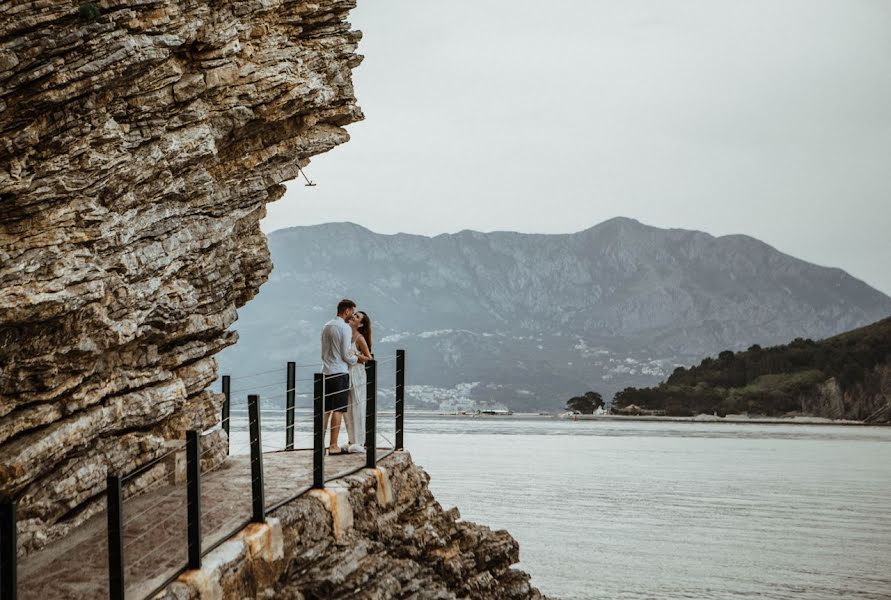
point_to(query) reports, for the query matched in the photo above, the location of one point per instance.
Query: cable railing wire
(224, 510)
(210, 449)
(143, 468)
(276, 410)
(153, 529)
(256, 374)
(242, 406)
(175, 489)
(256, 387)
(269, 385)
(159, 483)
(216, 511)
(153, 553)
(298, 365)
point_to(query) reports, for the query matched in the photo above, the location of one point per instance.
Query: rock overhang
(140, 144)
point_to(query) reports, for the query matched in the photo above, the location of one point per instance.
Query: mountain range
(528, 320)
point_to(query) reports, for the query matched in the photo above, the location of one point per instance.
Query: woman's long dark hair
(365, 328)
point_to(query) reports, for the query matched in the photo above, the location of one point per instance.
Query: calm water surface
(673, 510)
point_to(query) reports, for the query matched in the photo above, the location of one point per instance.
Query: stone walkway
(155, 544)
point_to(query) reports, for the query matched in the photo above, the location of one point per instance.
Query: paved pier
(155, 544)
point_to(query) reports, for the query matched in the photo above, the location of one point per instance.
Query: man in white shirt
(336, 360)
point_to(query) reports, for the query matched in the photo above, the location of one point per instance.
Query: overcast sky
(770, 118)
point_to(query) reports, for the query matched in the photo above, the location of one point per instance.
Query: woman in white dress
(361, 325)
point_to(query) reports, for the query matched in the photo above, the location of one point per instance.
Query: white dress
(356, 408)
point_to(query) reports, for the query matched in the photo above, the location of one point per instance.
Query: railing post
(227, 404)
(114, 511)
(370, 414)
(257, 500)
(400, 398)
(8, 550)
(193, 507)
(318, 432)
(289, 407)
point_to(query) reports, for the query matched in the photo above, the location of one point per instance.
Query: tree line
(767, 381)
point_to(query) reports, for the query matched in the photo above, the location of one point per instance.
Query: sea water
(606, 509)
(629, 509)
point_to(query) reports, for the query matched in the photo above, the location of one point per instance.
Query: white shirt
(336, 356)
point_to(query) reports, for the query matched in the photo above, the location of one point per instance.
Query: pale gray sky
(765, 117)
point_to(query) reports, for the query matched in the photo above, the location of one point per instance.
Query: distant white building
(456, 405)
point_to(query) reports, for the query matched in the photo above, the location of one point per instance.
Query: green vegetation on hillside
(585, 404)
(767, 381)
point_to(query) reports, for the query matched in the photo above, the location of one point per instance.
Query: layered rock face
(378, 533)
(868, 401)
(139, 144)
(406, 546)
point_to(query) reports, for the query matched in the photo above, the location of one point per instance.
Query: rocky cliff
(139, 144)
(868, 400)
(376, 534)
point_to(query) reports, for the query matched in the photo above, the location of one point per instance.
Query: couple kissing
(346, 347)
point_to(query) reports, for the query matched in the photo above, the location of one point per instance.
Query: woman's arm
(364, 352)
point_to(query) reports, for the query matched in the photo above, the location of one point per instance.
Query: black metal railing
(8, 549)
(371, 415)
(193, 505)
(318, 429)
(400, 400)
(258, 504)
(114, 511)
(117, 504)
(290, 405)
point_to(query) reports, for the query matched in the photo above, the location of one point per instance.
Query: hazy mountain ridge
(548, 313)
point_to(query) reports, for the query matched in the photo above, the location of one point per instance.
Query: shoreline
(729, 419)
